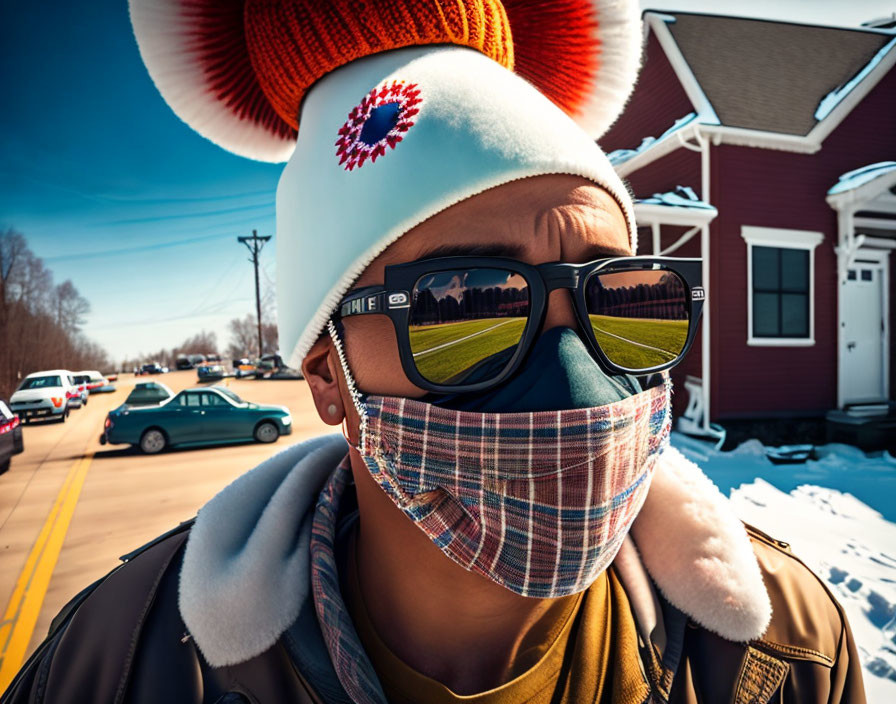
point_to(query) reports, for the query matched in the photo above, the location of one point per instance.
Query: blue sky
(117, 194)
(113, 191)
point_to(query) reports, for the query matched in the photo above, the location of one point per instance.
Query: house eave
(650, 213)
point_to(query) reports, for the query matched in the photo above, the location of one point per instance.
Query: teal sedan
(209, 416)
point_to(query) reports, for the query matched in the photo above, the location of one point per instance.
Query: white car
(96, 382)
(77, 396)
(45, 395)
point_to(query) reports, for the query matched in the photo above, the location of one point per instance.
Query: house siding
(678, 168)
(769, 188)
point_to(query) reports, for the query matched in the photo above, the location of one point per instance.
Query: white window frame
(781, 239)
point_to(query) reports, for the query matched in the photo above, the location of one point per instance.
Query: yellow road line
(24, 605)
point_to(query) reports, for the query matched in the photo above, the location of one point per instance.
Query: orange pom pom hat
(479, 92)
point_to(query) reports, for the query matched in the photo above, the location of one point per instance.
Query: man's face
(534, 220)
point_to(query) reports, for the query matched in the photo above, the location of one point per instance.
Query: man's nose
(560, 311)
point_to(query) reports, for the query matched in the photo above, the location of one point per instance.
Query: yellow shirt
(589, 655)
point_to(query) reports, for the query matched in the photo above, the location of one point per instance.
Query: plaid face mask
(538, 502)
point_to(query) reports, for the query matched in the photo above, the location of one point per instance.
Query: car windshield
(229, 394)
(40, 382)
(81, 379)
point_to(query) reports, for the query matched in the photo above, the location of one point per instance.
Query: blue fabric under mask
(559, 374)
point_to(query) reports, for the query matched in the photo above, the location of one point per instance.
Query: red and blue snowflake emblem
(380, 121)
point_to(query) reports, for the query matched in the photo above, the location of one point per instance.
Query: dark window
(851, 275)
(188, 399)
(866, 274)
(213, 400)
(780, 292)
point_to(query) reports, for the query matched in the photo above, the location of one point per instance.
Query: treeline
(243, 343)
(40, 321)
(203, 342)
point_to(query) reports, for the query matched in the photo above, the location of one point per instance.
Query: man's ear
(320, 373)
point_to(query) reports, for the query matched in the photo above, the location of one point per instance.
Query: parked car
(96, 382)
(148, 393)
(152, 368)
(80, 390)
(204, 416)
(190, 361)
(271, 366)
(43, 395)
(211, 372)
(11, 442)
(243, 367)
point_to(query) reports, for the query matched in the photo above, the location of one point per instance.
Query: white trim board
(649, 213)
(782, 239)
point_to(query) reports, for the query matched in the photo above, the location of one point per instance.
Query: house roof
(859, 177)
(765, 75)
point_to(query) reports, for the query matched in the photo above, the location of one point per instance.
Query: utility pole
(254, 244)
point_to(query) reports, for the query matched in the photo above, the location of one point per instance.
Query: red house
(769, 149)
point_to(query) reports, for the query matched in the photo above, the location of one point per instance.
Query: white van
(45, 395)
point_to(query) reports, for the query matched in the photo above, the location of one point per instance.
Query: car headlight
(286, 420)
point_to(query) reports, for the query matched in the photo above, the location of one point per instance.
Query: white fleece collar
(246, 567)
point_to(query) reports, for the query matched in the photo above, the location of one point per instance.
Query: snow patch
(619, 156)
(858, 177)
(837, 513)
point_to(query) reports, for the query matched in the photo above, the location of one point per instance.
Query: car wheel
(64, 414)
(266, 432)
(84, 402)
(4, 466)
(153, 441)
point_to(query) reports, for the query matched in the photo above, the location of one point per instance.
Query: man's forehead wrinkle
(583, 233)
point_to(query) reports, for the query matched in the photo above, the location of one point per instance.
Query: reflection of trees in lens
(446, 299)
(659, 295)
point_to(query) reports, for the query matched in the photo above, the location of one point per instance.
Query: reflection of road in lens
(639, 343)
(449, 351)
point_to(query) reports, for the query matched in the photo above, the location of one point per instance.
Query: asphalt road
(70, 497)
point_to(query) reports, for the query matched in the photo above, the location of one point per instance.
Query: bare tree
(69, 306)
(39, 322)
(244, 337)
(204, 342)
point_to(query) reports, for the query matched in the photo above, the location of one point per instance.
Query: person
(502, 518)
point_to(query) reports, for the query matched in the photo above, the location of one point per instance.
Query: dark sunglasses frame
(394, 300)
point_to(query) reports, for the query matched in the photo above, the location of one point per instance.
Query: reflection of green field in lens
(658, 341)
(467, 343)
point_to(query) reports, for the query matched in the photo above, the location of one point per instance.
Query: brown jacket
(122, 640)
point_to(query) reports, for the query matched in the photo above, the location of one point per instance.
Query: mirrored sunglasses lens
(465, 325)
(639, 318)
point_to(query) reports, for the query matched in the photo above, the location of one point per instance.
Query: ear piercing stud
(331, 409)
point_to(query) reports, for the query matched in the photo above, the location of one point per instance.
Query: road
(69, 496)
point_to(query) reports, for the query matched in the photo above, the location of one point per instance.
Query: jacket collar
(246, 570)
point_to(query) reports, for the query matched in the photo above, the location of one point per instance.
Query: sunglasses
(467, 323)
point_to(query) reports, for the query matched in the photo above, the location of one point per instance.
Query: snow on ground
(839, 515)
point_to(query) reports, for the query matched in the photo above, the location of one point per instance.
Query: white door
(863, 334)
